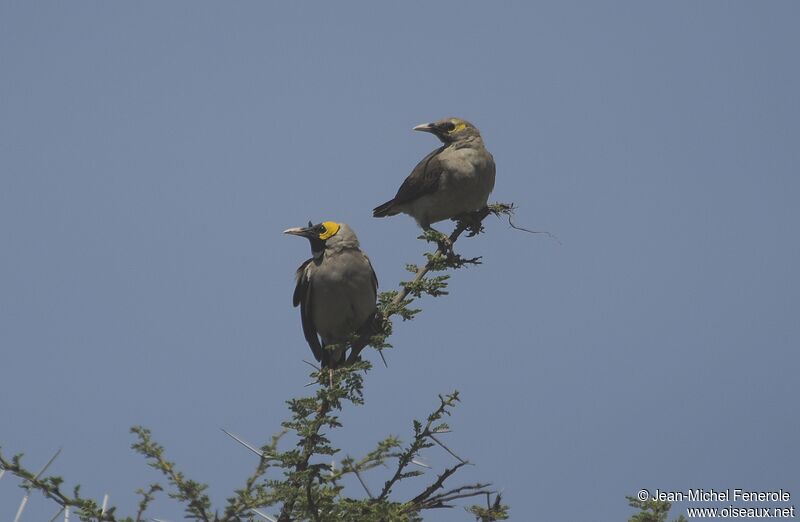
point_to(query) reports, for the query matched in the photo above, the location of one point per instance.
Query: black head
(317, 235)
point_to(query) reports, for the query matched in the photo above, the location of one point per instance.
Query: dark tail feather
(384, 210)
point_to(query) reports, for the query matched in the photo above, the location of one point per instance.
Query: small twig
(458, 490)
(420, 442)
(197, 503)
(358, 476)
(147, 497)
(448, 450)
(436, 485)
(523, 229)
(439, 501)
(61, 510)
(317, 368)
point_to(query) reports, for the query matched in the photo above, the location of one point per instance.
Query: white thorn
(27, 486)
(243, 443)
(420, 462)
(66, 514)
(22, 506)
(105, 504)
(262, 515)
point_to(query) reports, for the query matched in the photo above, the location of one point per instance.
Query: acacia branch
(147, 497)
(437, 484)
(50, 488)
(441, 259)
(442, 250)
(308, 450)
(420, 442)
(442, 499)
(301, 493)
(198, 505)
(255, 493)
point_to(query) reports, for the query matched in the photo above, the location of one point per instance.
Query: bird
(336, 289)
(453, 180)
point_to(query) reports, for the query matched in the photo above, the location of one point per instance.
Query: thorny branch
(302, 465)
(304, 483)
(472, 223)
(50, 487)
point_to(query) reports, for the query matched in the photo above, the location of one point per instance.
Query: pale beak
(297, 231)
(425, 127)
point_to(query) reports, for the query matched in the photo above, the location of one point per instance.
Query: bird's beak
(298, 231)
(425, 127)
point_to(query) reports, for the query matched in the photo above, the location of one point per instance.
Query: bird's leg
(472, 221)
(355, 351)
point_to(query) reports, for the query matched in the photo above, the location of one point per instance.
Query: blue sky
(151, 154)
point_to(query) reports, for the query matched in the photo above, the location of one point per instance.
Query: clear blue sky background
(151, 153)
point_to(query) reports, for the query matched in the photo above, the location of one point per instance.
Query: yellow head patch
(329, 230)
(459, 126)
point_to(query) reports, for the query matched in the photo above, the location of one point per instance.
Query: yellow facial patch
(331, 229)
(459, 126)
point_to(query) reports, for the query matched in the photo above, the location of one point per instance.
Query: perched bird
(454, 179)
(336, 289)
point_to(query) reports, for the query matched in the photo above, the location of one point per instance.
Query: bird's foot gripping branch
(396, 302)
(297, 479)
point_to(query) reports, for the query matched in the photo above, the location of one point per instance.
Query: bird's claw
(472, 221)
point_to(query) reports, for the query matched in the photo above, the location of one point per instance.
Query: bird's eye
(449, 126)
(322, 229)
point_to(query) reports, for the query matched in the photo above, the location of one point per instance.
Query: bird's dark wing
(374, 276)
(424, 179)
(302, 283)
(302, 297)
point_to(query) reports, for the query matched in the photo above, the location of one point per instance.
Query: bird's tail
(387, 209)
(372, 326)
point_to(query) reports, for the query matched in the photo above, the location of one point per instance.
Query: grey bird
(336, 289)
(454, 179)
